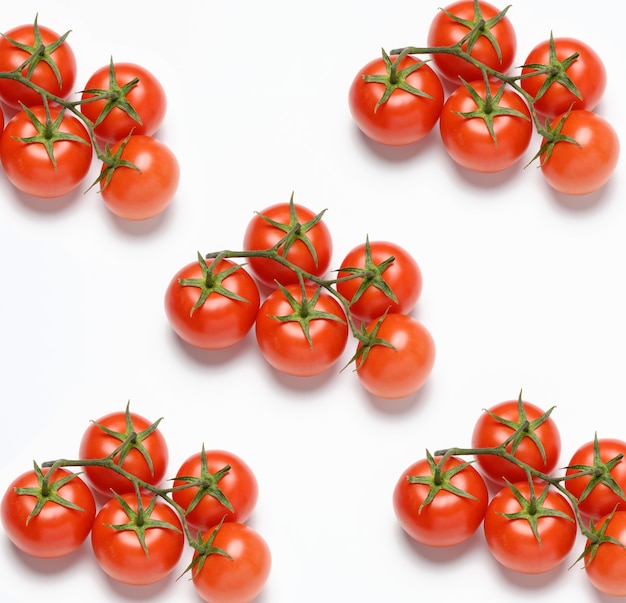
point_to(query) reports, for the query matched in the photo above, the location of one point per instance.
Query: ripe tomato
(484, 129)
(45, 154)
(440, 505)
(389, 280)
(237, 576)
(217, 480)
(400, 370)
(144, 453)
(509, 521)
(142, 193)
(308, 243)
(130, 98)
(582, 168)
(596, 492)
(48, 519)
(499, 422)
(212, 311)
(137, 541)
(396, 101)
(494, 45)
(552, 91)
(24, 41)
(301, 331)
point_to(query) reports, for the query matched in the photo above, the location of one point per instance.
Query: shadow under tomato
(53, 567)
(582, 202)
(397, 406)
(49, 206)
(397, 154)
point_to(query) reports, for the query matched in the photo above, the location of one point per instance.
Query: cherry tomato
(389, 280)
(509, 521)
(301, 331)
(402, 369)
(485, 128)
(440, 505)
(55, 159)
(396, 101)
(147, 547)
(212, 310)
(495, 44)
(145, 190)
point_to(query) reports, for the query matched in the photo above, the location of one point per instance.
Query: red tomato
(212, 311)
(309, 245)
(144, 454)
(380, 280)
(400, 370)
(240, 575)
(61, 525)
(586, 73)
(29, 165)
(142, 193)
(579, 169)
(447, 31)
(440, 506)
(121, 553)
(24, 41)
(130, 98)
(412, 109)
(1, 120)
(605, 563)
(512, 541)
(301, 336)
(217, 479)
(485, 129)
(596, 492)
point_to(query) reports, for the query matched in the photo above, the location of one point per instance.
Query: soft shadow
(396, 154)
(399, 406)
(580, 203)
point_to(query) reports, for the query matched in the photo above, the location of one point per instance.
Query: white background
(523, 289)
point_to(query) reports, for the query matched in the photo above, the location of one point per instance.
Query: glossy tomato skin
(512, 542)
(607, 570)
(13, 93)
(239, 485)
(397, 373)
(145, 193)
(579, 170)
(120, 554)
(284, 344)
(56, 530)
(240, 578)
(28, 165)
(405, 118)
(445, 31)
(449, 518)
(220, 321)
(147, 97)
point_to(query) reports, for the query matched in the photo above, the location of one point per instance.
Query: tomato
(402, 369)
(137, 540)
(440, 505)
(240, 574)
(597, 493)
(129, 98)
(539, 445)
(569, 72)
(53, 66)
(585, 166)
(45, 154)
(396, 101)
(301, 331)
(48, 516)
(485, 129)
(389, 279)
(143, 451)
(221, 486)
(302, 237)
(212, 310)
(1, 120)
(494, 44)
(530, 531)
(145, 190)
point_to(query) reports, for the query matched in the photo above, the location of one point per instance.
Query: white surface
(522, 289)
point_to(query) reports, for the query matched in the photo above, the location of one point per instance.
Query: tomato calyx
(553, 136)
(597, 537)
(112, 161)
(369, 339)
(205, 548)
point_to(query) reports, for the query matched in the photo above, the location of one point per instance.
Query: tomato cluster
(530, 513)
(489, 116)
